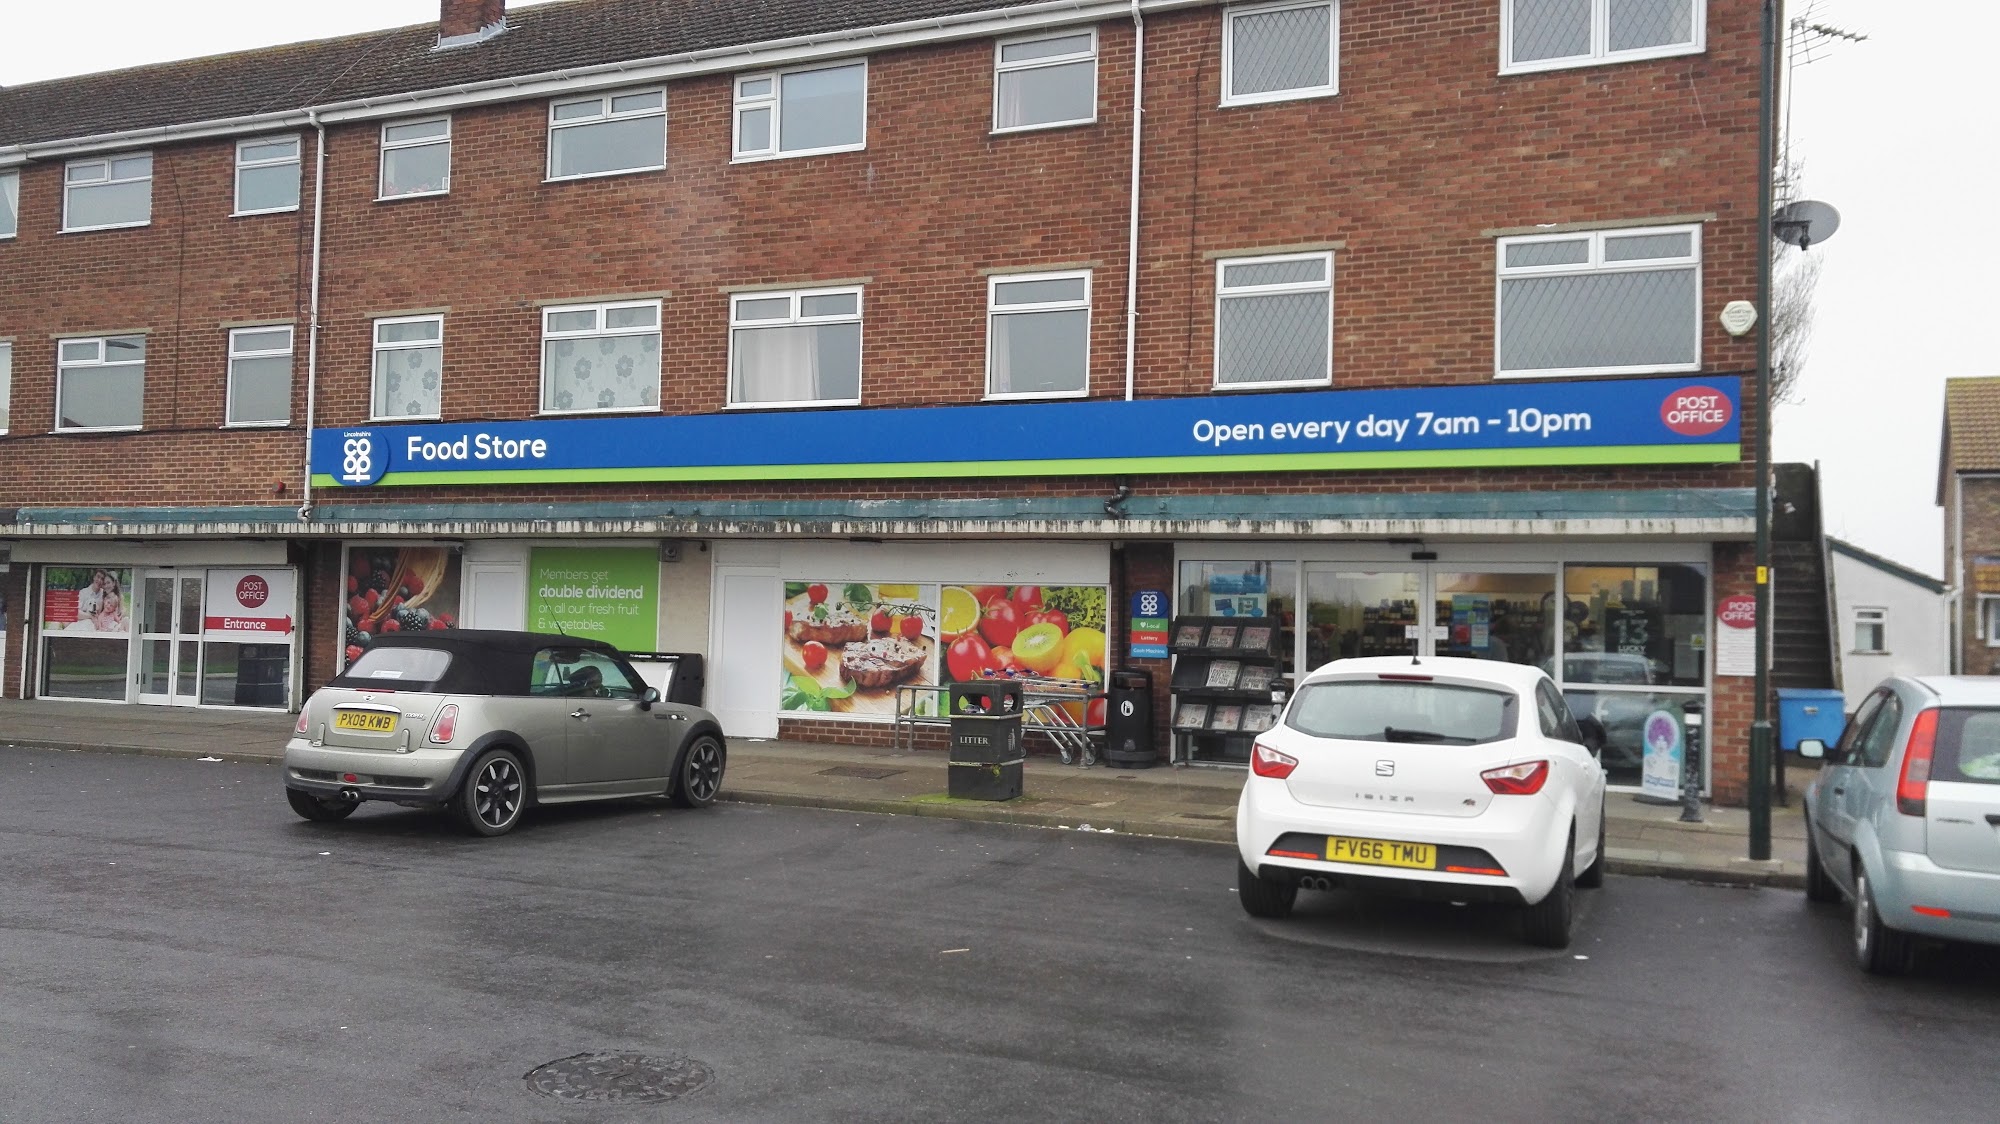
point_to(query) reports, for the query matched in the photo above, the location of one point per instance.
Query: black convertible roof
(483, 661)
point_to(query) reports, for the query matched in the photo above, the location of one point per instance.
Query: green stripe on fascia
(1084, 466)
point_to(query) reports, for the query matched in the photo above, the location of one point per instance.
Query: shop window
(1550, 34)
(1275, 52)
(1046, 81)
(601, 357)
(100, 383)
(1038, 335)
(267, 175)
(802, 112)
(260, 376)
(86, 632)
(10, 204)
(795, 349)
(409, 367)
(1989, 621)
(608, 134)
(1600, 302)
(1635, 625)
(108, 192)
(1871, 627)
(416, 158)
(1274, 321)
(6, 381)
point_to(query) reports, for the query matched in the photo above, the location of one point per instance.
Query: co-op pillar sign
(1148, 631)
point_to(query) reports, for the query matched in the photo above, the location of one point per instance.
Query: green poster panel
(608, 595)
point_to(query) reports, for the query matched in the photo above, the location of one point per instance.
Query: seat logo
(1385, 768)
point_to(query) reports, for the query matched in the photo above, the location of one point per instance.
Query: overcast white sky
(1900, 133)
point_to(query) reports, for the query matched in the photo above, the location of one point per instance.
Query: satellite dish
(1805, 223)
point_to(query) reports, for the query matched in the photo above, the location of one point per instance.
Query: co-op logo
(1696, 411)
(363, 458)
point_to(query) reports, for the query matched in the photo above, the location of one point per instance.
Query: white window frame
(378, 347)
(1600, 42)
(1001, 66)
(1215, 374)
(63, 367)
(795, 319)
(606, 113)
(1871, 616)
(10, 189)
(603, 311)
(387, 146)
(6, 384)
(1229, 17)
(1988, 623)
(229, 395)
(296, 160)
(995, 310)
(1594, 264)
(107, 161)
(774, 102)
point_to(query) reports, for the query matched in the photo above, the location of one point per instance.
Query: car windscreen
(1968, 746)
(397, 668)
(1380, 710)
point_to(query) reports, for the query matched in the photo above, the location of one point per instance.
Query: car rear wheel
(1549, 922)
(699, 777)
(1819, 885)
(320, 809)
(494, 794)
(1262, 897)
(1593, 875)
(1878, 949)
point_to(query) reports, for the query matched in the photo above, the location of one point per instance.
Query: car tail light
(1915, 783)
(1524, 779)
(1268, 762)
(446, 725)
(301, 727)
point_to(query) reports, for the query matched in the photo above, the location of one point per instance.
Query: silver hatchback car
(1904, 818)
(483, 724)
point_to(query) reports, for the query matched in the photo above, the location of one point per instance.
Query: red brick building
(685, 324)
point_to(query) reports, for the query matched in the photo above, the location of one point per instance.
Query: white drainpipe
(312, 317)
(1132, 255)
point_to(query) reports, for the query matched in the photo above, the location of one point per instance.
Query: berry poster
(87, 600)
(397, 589)
(849, 647)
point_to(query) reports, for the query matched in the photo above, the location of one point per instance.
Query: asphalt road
(176, 946)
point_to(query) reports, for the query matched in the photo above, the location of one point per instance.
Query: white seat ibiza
(1446, 778)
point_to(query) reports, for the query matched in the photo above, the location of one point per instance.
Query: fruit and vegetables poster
(608, 595)
(94, 600)
(850, 645)
(397, 589)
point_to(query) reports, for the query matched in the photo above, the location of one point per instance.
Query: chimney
(463, 22)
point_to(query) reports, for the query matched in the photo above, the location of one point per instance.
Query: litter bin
(1128, 721)
(986, 753)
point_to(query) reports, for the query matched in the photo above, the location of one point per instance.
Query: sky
(1896, 132)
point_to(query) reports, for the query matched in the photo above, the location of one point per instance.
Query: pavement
(1177, 802)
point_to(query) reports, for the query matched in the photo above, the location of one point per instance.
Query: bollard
(1691, 765)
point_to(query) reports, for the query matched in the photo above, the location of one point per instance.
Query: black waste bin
(986, 751)
(1128, 721)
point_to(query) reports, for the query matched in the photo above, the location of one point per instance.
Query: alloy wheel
(1864, 917)
(497, 793)
(703, 776)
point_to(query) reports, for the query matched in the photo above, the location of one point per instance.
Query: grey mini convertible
(484, 724)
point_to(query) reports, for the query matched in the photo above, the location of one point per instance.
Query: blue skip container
(1810, 712)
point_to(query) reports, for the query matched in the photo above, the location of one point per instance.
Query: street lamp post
(1767, 157)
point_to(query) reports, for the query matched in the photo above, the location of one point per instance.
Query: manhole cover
(606, 1078)
(860, 771)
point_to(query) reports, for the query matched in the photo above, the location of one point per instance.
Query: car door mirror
(1812, 749)
(1594, 734)
(648, 697)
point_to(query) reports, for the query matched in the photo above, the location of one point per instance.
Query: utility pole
(1767, 158)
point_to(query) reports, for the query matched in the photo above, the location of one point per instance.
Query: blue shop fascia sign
(1597, 422)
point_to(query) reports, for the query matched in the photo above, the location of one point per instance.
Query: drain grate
(860, 771)
(608, 1078)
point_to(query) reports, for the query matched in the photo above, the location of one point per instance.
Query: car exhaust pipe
(1315, 882)
(352, 796)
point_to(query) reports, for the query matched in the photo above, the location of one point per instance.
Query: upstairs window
(802, 112)
(267, 175)
(1043, 82)
(100, 383)
(108, 192)
(260, 376)
(1871, 628)
(608, 134)
(1601, 302)
(416, 158)
(795, 349)
(10, 204)
(1274, 321)
(1552, 34)
(1038, 335)
(601, 357)
(1276, 52)
(409, 367)
(6, 381)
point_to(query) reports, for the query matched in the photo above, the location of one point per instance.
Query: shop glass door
(1495, 615)
(1352, 612)
(170, 621)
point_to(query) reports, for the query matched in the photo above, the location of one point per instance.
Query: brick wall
(1981, 504)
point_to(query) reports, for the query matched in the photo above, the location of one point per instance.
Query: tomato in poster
(1000, 621)
(987, 593)
(968, 656)
(816, 593)
(814, 654)
(1051, 616)
(1028, 596)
